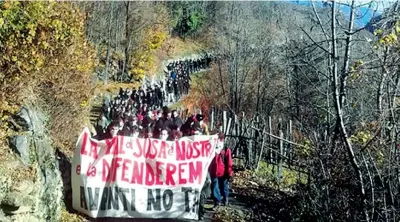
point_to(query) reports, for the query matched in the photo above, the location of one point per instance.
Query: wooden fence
(254, 139)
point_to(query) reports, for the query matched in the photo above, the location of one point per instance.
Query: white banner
(128, 177)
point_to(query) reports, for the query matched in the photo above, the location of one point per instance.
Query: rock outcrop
(37, 197)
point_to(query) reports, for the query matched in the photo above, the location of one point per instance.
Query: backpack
(173, 75)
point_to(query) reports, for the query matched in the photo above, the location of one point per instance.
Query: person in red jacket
(221, 172)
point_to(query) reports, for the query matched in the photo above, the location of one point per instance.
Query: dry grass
(181, 47)
(70, 217)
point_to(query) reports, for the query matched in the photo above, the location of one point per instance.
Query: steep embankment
(29, 183)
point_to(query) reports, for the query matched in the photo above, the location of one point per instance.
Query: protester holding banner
(126, 177)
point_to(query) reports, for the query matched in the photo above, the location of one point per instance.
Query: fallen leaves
(252, 199)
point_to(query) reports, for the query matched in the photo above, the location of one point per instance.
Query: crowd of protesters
(142, 113)
(178, 73)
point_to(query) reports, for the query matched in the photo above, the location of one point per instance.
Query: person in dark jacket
(159, 96)
(186, 128)
(163, 123)
(148, 120)
(176, 119)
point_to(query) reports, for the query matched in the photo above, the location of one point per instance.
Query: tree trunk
(347, 53)
(338, 84)
(127, 38)
(108, 45)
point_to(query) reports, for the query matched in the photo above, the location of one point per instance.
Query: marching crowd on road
(141, 113)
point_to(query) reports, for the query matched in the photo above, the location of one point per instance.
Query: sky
(368, 9)
(380, 5)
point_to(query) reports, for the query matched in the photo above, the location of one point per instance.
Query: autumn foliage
(143, 58)
(206, 91)
(45, 60)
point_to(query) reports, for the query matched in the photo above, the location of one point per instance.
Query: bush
(45, 60)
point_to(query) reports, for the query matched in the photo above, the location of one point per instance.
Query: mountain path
(236, 206)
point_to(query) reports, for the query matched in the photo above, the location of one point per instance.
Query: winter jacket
(161, 124)
(221, 165)
(173, 75)
(177, 121)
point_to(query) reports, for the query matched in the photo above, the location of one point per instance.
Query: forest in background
(337, 82)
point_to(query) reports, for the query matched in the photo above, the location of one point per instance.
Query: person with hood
(221, 173)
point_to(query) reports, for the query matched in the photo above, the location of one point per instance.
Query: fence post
(242, 125)
(256, 139)
(262, 149)
(270, 154)
(280, 151)
(290, 147)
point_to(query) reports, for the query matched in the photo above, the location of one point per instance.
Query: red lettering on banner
(110, 144)
(129, 144)
(150, 148)
(169, 179)
(180, 150)
(162, 153)
(84, 141)
(149, 175)
(114, 166)
(153, 172)
(78, 170)
(105, 175)
(124, 169)
(187, 150)
(158, 173)
(205, 148)
(137, 173)
(181, 171)
(139, 148)
(154, 145)
(171, 150)
(93, 150)
(91, 171)
(195, 172)
(121, 145)
(115, 145)
(195, 148)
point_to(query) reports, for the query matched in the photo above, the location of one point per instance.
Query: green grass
(268, 173)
